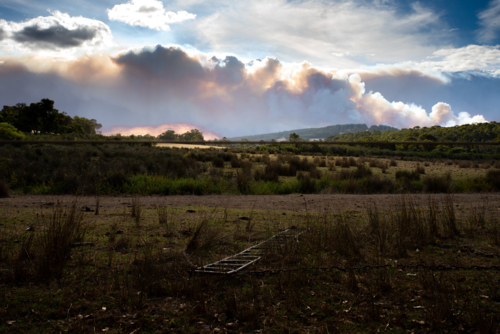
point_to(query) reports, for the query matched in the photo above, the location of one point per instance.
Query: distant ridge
(317, 133)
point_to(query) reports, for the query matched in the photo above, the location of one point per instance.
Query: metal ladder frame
(236, 263)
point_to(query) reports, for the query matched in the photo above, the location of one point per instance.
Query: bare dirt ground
(294, 202)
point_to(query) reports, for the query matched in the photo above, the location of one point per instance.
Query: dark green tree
(294, 137)
(168, 135)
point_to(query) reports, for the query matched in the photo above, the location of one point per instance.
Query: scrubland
(111, 169)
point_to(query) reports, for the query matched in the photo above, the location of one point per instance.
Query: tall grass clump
(207, 233)
(244, 178)
(53, 241)
(437, 183)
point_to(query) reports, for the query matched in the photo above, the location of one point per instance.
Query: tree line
(479, 132)
(42, 118)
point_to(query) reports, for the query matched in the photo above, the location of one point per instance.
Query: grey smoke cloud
(168, 85)
(55, 36)
(169, 64)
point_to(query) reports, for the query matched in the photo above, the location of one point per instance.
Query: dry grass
(144, 283)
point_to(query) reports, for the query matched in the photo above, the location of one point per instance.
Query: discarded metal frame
(238, 262)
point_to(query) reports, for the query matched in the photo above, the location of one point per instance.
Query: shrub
(315, 173)
(409, 175)
(493, 177)
(377, 184)
(236, 163)
(437, 184)
(218, 162)
(307, 185)
(420, 170)
(9, 132)
(393, 163)
(267, 174)
(300, 164)
(244, 178)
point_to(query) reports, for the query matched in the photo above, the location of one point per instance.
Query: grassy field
(66, 268)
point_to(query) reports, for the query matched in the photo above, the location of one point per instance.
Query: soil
(294, 202)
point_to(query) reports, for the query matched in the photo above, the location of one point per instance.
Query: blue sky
(237, 68)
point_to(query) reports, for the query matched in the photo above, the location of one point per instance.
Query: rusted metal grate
(238, 262)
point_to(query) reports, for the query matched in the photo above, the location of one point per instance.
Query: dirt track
(295, 202)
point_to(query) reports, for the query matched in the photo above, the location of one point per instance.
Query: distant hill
(321, 133)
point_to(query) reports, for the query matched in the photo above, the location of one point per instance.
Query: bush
(307, 185)
(376, 184)
(437, 184)
(218, 162)
(493, 177)
(360, 172)
(9, 132)
(267, 174)
(236, 163)
(409, 175)
(420, 170)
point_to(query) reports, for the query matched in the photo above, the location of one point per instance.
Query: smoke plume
(226, 95)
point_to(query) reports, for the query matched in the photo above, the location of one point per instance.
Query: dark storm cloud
(55, 36)
(169, 64)
(229, 71)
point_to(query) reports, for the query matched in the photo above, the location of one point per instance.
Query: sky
(236, 68)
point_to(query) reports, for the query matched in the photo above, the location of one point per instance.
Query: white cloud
(489, 19)
(59, 33)
(147, 13)
(442, 114)
(319, 31)
(468, 58)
